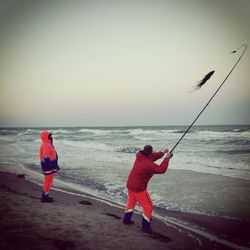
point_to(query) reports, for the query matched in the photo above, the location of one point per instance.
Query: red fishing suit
(144, 168)
(49, 161)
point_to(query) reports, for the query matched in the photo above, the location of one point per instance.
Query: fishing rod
(245, 45)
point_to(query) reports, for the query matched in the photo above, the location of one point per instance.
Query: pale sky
(115, 63)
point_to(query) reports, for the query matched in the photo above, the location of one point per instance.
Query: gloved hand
(169, 155)
(165, 150)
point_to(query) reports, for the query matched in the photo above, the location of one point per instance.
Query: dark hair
(148, 150)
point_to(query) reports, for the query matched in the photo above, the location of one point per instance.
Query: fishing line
(243, 45)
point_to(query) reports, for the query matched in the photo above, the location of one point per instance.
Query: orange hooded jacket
(48, 155)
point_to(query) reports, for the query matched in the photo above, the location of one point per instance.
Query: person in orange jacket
(49, 164)
(144, 168)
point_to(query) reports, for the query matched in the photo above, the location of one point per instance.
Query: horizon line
(120, 126)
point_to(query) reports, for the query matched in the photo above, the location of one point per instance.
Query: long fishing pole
(211, 97)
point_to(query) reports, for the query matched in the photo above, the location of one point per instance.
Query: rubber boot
(46, 198)
(127, 218)
(146, 227)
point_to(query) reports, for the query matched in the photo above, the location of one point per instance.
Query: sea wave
(27, 131)
(128, 149)
(62, 131)
(92, 145)
(237, 141)
(224, 133)
(217, 134)
(234, 152)
(238, 130)
(150, 135)
(96, 132)
(183, 131)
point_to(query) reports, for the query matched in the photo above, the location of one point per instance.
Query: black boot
(127, 218)
(46, 198)
(146, 227)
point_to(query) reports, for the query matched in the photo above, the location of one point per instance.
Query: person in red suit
(143, 169)
(49, 164)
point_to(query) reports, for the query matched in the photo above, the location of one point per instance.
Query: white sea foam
(88, 145)
(96, 131)
(61, 131)
(27, 131)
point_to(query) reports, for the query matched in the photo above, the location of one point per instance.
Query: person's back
(143, 169)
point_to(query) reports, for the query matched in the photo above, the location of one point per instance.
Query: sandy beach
(79, 221)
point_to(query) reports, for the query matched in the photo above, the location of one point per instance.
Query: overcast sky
(111, 63)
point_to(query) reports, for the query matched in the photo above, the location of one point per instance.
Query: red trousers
(48, 180)
(143, 198)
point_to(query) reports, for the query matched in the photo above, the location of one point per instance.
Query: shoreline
(103, 222)
(175, 177)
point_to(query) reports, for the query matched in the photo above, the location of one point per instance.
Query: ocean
(208, 174)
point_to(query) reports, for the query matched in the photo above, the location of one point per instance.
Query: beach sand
(76, 221)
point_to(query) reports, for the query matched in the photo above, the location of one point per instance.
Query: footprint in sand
(21, 176)
(113, 215)
(85, 203)
(159, 237)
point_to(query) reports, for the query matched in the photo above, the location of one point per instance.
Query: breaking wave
(128, 149)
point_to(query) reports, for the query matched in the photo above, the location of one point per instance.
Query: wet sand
(76, 221)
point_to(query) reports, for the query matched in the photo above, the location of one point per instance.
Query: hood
(45, 136)
(141, 156)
